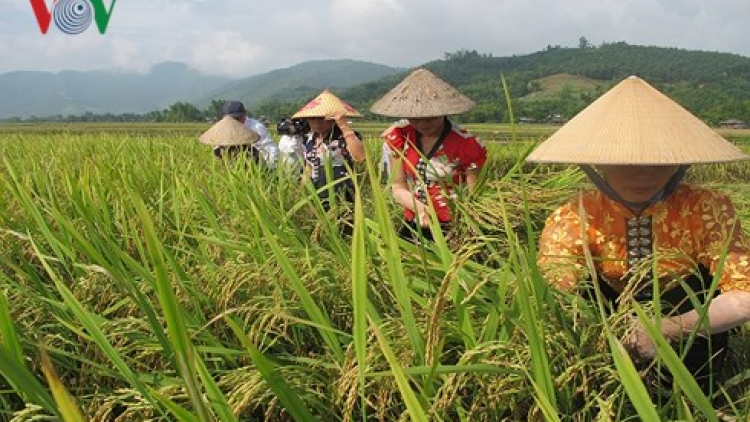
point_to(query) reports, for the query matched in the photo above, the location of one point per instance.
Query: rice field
(142, 280)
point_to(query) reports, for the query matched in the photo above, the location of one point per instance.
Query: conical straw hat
(326, 104)
(228, 131)
(633, 123)
(422, 94)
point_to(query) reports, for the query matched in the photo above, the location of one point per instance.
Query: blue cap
(234, 108)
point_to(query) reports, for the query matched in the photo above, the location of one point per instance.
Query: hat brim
(227, 132)
(324, 105)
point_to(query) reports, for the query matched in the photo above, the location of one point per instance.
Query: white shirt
(292, 151)
(265, 144)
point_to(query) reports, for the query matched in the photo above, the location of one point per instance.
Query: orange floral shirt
(692, 226)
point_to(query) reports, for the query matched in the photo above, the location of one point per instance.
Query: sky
(235, 38)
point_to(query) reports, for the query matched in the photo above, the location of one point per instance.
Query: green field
(165, 286)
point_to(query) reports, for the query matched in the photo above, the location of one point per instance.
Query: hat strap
(447, 127)
(663, 193)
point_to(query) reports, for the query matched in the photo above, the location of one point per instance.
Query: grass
(163, 285)
(551, 86)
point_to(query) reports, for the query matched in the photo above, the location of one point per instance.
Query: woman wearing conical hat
(430, 154)
(331, 145)
(650, 234)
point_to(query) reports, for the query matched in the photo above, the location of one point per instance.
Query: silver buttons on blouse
(640, 246)
(639, 238)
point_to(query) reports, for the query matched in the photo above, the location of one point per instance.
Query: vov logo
(72, 16)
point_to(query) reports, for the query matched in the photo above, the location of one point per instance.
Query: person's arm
(473, 157)
(404, 196)
(262, 130)
(266, 144)
(726, 311)
(354, 145)
(471, 178)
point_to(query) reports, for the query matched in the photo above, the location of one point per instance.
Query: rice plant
(153, 282)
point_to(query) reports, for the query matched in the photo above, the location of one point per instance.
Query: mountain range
(32, 93)
(299, 82)
(553, 81)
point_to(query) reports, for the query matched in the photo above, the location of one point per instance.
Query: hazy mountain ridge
(300, 82)
(27, 93)
(37, 93)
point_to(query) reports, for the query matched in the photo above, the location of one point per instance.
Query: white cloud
(127, 56)
(367, 9)
(226, 53)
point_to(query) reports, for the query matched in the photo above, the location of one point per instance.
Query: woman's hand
(340, 119)
(639, 345)
(726, 311)
(423, 215)
(353, 143)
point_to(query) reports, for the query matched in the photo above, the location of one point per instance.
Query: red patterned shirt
(459, 152)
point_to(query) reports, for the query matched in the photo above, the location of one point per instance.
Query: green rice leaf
(66, 404)
(218, 402)
(181, 346)
(308, 302)
(359, 294)
(286, 394)
(632, 381)
(90, 324)
(25, 383)
(176, 410)
(413, 406)
(682, 377)
(391, 254)
(8, 336)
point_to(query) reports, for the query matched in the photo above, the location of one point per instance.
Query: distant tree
(180, 112)
(534, 86)
(215, 110)
(485, 112)
(464, 54)
(155, 116)
(583, 43)
(275, 110)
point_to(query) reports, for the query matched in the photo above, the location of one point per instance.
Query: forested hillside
(715, 86)
(300, 82)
